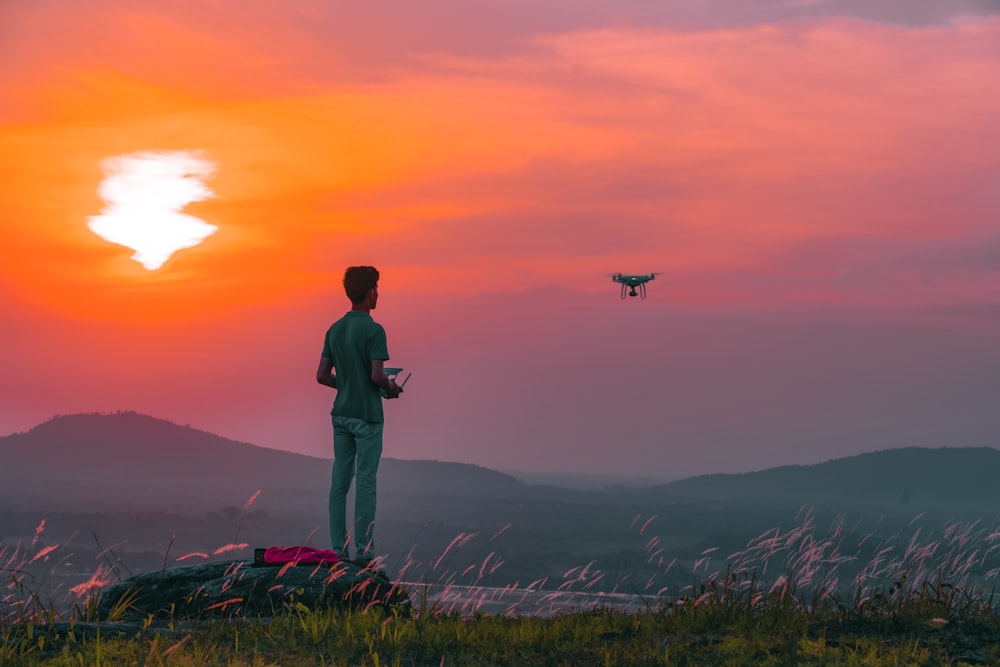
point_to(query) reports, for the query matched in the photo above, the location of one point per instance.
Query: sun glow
(145, 193)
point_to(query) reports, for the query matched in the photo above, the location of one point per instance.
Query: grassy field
(795, 596)
(731, 620)
(717, 633)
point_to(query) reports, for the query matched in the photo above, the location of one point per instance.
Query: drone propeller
(619, 274)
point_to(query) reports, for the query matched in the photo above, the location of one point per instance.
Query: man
(354, 354)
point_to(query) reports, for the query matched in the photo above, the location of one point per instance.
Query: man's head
(359, 283)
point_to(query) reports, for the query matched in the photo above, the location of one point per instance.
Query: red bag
(301, 554)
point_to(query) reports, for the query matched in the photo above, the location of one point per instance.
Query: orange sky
(823, 178)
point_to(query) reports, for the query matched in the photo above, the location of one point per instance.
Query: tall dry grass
(952, 566)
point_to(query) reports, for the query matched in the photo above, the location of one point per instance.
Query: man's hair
(358, 280)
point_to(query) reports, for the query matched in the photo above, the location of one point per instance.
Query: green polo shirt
(353, 342)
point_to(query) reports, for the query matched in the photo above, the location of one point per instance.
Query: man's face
(373, 295)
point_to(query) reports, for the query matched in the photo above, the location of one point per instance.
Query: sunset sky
(815, 182)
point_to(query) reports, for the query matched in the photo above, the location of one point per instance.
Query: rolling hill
(130, 461)
(905, 478)
(127, 461)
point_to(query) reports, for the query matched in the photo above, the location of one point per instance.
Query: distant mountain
(906, 478)
(130, 461)
(127, 461)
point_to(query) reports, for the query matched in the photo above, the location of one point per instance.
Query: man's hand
(393, 390)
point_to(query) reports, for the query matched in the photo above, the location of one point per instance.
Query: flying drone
(632, 283)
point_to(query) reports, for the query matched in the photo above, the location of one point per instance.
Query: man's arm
(324, 374)
(383, 381)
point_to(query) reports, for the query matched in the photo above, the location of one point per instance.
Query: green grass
(730, 622)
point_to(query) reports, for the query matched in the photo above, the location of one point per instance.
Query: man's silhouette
(354, 354)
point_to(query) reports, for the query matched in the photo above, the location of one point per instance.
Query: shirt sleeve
(327, 350)
(377, 347)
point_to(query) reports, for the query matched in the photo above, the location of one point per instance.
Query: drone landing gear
(631, 292)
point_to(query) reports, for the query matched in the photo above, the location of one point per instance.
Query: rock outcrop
(241, 589)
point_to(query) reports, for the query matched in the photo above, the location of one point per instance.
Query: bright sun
(144, 194)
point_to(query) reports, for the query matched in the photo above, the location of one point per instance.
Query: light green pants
(357, 444)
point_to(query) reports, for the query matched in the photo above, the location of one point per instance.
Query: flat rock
(240, 589)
